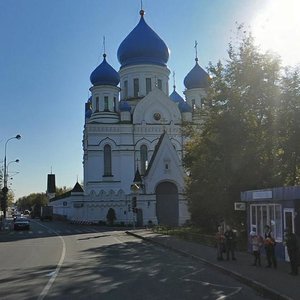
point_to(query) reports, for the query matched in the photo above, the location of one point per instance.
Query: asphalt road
(56, 260)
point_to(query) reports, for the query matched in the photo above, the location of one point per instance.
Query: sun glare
(277, 28)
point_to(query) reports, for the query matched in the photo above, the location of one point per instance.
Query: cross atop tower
(174, 86)
(104, 50)
(196, 50)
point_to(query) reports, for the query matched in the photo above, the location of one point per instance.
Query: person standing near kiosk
(270, 243)
(293, 249)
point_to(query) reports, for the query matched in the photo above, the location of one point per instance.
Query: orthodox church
(132, 138)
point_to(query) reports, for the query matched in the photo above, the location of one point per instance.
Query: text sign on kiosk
(239, 206)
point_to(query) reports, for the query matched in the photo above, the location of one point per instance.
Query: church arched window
(144, 158)
(107, 160)
(97, 104)
(106, 107)
(136, 87)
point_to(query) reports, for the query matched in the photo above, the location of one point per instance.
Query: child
(256, 244)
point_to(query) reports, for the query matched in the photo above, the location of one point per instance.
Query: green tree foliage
(289, 128)
(10, 198)
(235, 147)
(62, 190)
(27, 202)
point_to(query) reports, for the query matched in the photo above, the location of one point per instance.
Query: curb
(261, 288)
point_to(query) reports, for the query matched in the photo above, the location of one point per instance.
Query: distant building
(51, 187)
(132, 139)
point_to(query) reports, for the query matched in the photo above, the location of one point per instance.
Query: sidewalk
(273, 284)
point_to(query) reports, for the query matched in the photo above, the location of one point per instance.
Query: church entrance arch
(167, 206)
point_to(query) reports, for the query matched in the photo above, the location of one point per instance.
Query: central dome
(143, 46)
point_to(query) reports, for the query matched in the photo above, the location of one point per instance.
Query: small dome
(88, 108)
(175, 97)
(143, 46)
(105, 74)
(196, 78)
(184, 107)
(124, 106)
(88, 114)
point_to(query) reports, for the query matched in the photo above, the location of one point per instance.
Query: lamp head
(18, 137)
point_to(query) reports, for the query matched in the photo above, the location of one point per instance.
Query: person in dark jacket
(293, 250)
(230, 240)
(270, 243)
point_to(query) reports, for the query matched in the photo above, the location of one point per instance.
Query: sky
(48, 49)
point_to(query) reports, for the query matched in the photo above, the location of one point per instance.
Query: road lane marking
(236, 289)
(192, 273)
(53, 274)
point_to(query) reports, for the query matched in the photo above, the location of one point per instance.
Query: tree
(288, 153)
(62, 190)
(234, 148)
(27, 202)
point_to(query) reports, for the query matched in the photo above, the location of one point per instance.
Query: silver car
(21, 223)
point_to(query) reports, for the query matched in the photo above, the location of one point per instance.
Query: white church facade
(132, 140)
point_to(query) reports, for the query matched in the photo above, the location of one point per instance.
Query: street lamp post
(7, 168)
(5, 189)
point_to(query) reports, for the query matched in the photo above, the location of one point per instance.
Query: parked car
(17, 214)
(21, 223)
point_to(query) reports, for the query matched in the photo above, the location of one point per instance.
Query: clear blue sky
(48, 49)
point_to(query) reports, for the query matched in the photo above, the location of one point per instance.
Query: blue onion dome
(143, 46)
(175, 97)
(105, 74)
(124, 106)
(184, 107)
(196, 78)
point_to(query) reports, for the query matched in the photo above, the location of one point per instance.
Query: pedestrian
(220, 242)
(270, 244)
(256, 242)
(293, 250)
(230, 240)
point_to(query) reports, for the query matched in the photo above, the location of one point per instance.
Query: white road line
(54, 274)
(222, 297)
(236, 289)
(193, 273)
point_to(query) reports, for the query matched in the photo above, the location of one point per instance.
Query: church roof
(124, 106)
(196, 78)
(155, 152)
(51, 188)
(77, 188)
(105, 74)
(175, 97)
(143, 46)
(184, 107)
